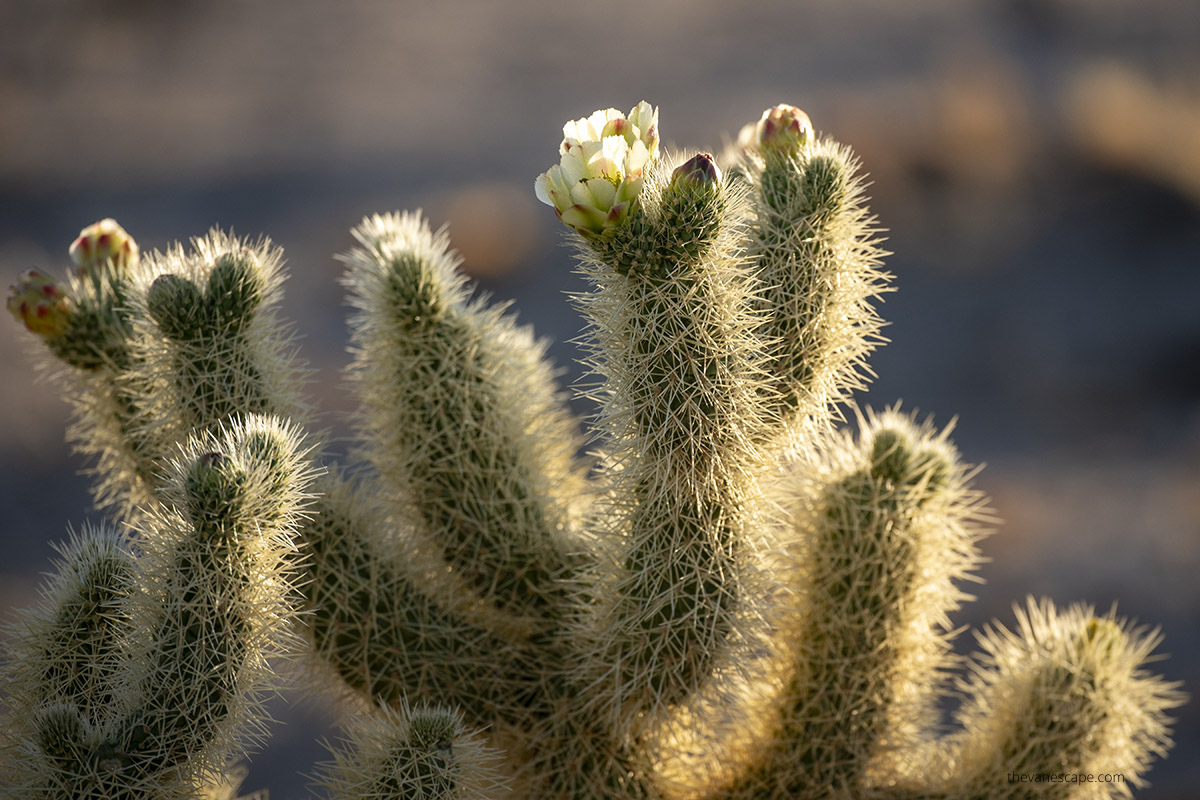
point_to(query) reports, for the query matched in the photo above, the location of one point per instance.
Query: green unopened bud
(40, 303)
(104, 245)
(698, 171)
(783, 129)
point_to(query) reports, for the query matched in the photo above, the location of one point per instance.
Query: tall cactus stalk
(738, 599)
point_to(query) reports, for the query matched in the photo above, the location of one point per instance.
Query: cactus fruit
(735, 597)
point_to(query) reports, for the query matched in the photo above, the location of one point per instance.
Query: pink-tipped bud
(101, 244)
(699, 170)
(783, 129)
(39, 302)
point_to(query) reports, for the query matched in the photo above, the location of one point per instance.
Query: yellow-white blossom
(599, 175)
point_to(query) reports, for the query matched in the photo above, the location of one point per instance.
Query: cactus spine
(737, 600)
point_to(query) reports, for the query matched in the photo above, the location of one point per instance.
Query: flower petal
(584, 218)
(601, 191)
(540, 188)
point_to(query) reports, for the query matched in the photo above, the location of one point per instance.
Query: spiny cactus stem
(203, 636)
(79, 653)
(817, 257)
(679, 349)
(389, 641)
(407, 753)
(1064, 695)
(472, 488)
(863, 563)
(461, 414)
(208, 398)
(98, 330)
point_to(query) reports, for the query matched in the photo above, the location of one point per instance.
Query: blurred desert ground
(1037, 163)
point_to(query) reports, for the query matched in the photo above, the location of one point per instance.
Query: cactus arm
(676, 347)
(208, 341)
(878, 556)
(62, 660)
(67, 654)
(816, 247)
(1063, 698)
(219, 567)
(388, 631)
(163, 703)
(156, 348)
(86, 326)
(461, 415)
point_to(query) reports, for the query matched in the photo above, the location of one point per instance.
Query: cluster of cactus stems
(732, 596)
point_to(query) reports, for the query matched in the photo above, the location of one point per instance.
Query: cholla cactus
(144, 674)
(735, 599)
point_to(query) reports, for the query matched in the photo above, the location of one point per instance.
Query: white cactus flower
(599, 176)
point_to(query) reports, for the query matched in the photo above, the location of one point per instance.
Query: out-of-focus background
(1037, 163)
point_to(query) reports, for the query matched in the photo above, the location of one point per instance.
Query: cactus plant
(734, 597)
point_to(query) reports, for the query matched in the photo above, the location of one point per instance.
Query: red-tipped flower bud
(103, 243)
(39, 302)
(783, 129)
(699, 170)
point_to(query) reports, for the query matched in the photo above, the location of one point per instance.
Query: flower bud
(596, 183)
(698, 171)
(783, 129)
(103, 243)
(39, 302)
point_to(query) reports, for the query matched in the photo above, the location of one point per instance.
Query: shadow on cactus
(734, 597)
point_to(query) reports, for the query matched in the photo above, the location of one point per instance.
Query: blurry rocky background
(1037, 163)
